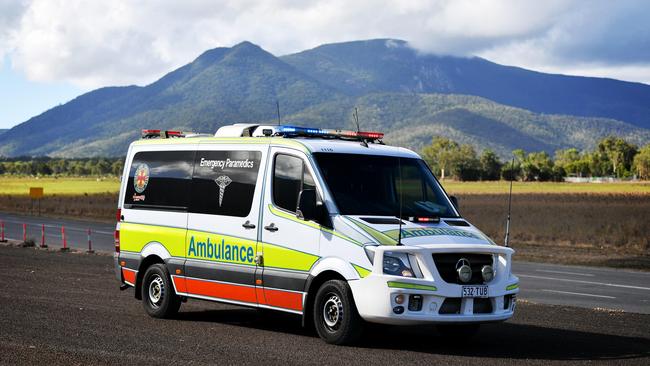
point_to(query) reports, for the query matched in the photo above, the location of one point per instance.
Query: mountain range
(410, 95)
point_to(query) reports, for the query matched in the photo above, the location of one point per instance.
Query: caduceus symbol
(222, 182)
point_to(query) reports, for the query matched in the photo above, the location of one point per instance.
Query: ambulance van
(331, 225)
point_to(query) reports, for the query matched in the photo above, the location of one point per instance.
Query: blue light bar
(313, 132)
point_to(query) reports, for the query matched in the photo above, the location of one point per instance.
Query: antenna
(277, 105)
(364, 143)
(512, 170)
(399, 232)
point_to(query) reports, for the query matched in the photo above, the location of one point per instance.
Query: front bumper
(441, 302)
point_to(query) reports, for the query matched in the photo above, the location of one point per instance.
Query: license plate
(475, 291)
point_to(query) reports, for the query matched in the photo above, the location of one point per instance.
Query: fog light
(399, 299)
(398, 309)
(464, 273)
(488, 273)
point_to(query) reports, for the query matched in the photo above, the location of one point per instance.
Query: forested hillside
(410, 96)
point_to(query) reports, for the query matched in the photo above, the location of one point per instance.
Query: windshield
(370, 185)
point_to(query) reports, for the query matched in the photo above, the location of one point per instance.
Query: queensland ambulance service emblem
(223, 182)
(141, 178)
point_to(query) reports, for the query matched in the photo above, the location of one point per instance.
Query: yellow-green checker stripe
(411, 286)
(314, 225)
(512, 287)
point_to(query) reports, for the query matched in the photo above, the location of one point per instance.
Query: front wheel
(158, 297)
(335, 315)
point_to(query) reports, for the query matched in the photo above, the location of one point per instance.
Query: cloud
(118, 42)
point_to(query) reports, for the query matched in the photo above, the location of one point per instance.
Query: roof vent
(236, 130)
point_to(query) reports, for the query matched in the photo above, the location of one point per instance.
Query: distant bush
(62, 167)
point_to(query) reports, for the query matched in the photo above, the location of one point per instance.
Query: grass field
(58, 186)
(502, 187)
(73, 186)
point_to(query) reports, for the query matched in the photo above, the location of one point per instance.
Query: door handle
(271, 227)
(248, 225)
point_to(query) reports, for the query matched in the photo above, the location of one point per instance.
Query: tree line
(612, 157)
(62, 167)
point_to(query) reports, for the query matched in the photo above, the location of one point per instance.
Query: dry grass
(577, 228)
(591, 229)
(98, 207)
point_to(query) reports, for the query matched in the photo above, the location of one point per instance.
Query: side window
(159, 179)
(290, 176)
(224, 182)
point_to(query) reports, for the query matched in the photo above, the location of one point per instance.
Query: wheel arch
(152, 253)
(325, 269)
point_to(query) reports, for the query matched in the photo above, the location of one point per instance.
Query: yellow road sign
(36, 192)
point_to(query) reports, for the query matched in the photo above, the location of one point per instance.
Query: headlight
(397, 264)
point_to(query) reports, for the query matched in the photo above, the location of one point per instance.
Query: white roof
(353, 147)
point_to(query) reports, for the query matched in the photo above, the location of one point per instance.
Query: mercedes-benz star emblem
(464, 270)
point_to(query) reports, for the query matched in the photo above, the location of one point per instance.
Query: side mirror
(454, 201)
(308, 205)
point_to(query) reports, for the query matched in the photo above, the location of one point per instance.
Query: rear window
(160, 180)
(224, 182)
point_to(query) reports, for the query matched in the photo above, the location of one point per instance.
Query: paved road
(79, 316)
(542, 283)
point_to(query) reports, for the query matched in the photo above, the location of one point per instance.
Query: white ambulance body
(331, 225)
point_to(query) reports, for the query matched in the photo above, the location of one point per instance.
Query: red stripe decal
(179, 283)
(128, 275)
(221, 290)
(260, 295)
(283, 299)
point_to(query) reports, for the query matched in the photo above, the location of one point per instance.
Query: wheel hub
(156, 290)
(333, 312)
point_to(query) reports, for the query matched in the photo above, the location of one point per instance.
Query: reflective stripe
(283, 299)
(284, 258)
(129, 275)
(411, 286)
(133, 237)
(311, 224)
(380, 237)
(512, 287)
(221, 290)
(290, 300)
(361, 271)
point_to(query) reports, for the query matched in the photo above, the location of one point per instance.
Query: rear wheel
(158, 297)
(335, 315)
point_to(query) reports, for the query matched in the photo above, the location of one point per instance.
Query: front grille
(450, 306)
(482, 306)
(446, 265)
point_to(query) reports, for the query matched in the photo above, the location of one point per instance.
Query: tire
(458, 332)
(158, 296)
(335, 315)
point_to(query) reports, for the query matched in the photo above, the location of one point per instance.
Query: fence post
(24, 233)
(2, 231)
(65, 243)
(43, 236)
(90, 245)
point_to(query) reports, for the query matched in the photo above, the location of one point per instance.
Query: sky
(54, 50)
